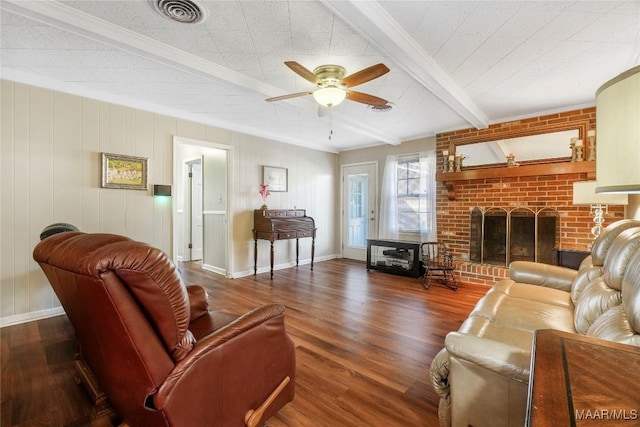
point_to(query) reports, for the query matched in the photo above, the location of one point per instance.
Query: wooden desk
(580, 381)
(282, 224)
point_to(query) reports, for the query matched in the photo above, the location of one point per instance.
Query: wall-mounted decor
(276, 178)
(127, 172)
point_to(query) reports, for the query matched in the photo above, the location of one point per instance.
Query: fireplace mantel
(557, 168)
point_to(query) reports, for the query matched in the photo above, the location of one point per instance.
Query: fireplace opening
(499, 236)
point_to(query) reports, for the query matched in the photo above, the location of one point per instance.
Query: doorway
(201, 205)
(359, 208)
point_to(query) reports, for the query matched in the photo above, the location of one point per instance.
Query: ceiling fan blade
(302, 72)
(366, 98)
(365, 75)
(291, 95)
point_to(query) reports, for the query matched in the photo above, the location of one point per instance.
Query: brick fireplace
(508, 192)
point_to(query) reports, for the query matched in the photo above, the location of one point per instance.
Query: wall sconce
(161, 190)
(584, 193)
(618, 134)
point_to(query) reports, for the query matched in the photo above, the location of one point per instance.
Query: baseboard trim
(214, 269)
(17, 319)
(261, 270)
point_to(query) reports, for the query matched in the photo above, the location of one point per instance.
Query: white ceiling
(454, 64)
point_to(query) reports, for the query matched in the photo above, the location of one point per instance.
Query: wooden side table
(580, 381)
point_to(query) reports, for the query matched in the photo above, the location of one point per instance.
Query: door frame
(177, 169)
(373, 231)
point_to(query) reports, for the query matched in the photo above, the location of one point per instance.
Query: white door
(196, 231)
(359, 213)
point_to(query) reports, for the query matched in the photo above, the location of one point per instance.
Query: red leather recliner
(158, 352)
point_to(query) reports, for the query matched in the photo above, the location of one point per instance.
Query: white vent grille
(182, 11)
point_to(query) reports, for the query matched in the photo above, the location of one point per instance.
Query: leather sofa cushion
(523, 309)
(596, 298)
(601, 244)
(614, 325)
(631, 294)
(533, 292)
(620, 253)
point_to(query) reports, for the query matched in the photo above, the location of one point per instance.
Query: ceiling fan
(334, 87)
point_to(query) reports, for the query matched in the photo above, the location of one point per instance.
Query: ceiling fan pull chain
(330, 123)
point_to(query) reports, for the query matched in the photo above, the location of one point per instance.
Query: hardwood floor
(364, 342)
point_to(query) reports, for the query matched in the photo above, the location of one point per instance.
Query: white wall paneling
(215, 250)
(50, 161)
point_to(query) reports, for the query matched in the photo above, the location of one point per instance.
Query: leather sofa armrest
(439, 373)
(504, 359)
(536, 273)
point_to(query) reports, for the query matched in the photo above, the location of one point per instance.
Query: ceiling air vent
(182, 11)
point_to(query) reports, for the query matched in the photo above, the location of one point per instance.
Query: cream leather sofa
(482, 374)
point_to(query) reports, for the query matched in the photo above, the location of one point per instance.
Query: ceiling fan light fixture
(329, 96)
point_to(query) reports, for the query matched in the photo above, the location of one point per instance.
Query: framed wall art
(276, 178)
(126, 172)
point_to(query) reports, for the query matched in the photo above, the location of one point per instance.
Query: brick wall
(533, 192)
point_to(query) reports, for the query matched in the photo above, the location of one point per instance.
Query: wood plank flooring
(364, 343)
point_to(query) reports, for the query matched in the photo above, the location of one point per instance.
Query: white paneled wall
(215, 230)
(50, 172)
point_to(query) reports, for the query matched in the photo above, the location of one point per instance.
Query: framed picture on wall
(126, 172)
(276, 178)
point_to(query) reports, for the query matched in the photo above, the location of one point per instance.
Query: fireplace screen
(498, 236)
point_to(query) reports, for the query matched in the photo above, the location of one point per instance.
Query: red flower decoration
(264, 192)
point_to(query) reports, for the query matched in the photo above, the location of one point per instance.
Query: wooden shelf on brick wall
(558, 168)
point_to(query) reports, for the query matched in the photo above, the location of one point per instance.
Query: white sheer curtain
(388, 228)
(389, 198)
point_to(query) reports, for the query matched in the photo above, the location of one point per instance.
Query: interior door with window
(359, 213)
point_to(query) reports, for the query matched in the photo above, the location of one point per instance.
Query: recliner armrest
(507, 360)
(536, 273)
(198, 302)
(210, 343)
(241, 324)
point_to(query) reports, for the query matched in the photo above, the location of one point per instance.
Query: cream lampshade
(618, 134)
(584, 193)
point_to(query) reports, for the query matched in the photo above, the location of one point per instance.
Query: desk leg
(313, 250)
(271, 257)
(255, 257)
(297, 250)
